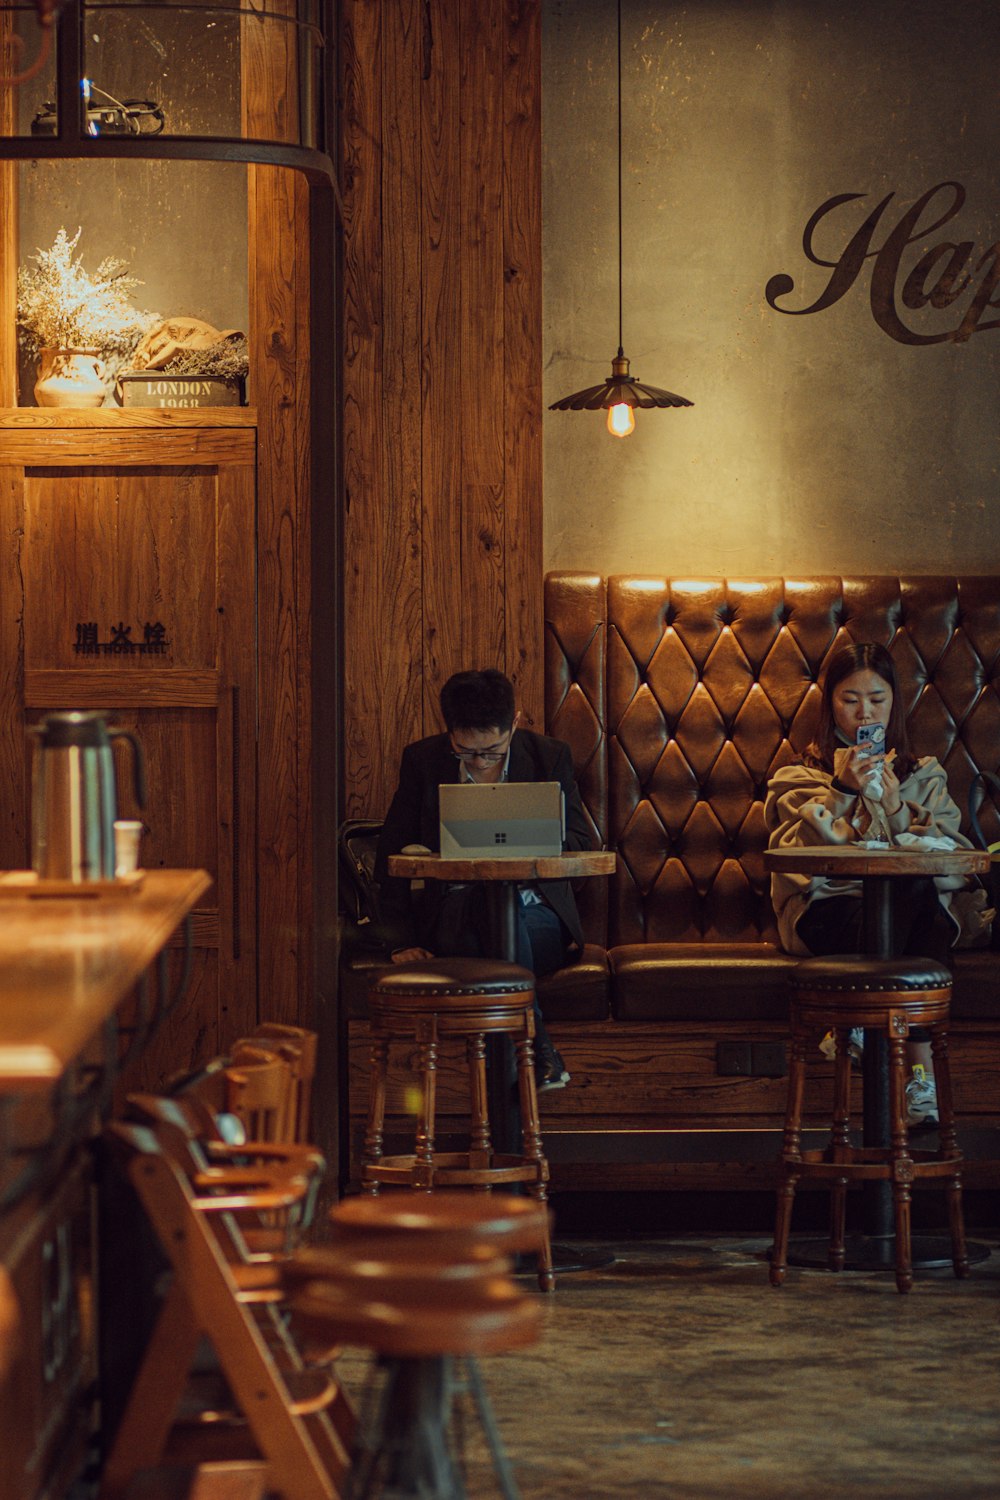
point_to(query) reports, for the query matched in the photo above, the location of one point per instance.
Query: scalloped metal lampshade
(622, 389)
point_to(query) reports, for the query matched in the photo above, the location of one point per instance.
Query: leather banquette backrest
(680, 697)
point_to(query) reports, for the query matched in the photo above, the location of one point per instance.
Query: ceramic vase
(70, 377)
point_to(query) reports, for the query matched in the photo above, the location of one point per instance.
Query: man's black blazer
(414, 818)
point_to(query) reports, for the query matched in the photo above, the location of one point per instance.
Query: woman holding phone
(859, 780)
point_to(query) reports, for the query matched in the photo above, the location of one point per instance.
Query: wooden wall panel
(8, 224)
(390, 684)
(278, 280)
(139, 542)
(279, 377)
(522, 427)
(448, 623)
(479, 153)
(440, 170)
(371, 530)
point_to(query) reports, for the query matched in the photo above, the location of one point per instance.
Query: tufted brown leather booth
(679, 698)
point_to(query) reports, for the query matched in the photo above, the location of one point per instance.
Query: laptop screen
(503, 819)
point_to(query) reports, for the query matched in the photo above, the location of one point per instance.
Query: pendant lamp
(622, 393)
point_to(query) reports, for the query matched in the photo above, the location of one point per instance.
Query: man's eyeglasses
(489, 755)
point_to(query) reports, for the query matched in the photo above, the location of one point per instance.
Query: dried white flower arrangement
(62, 306)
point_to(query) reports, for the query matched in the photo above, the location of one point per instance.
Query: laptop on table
(502, 820)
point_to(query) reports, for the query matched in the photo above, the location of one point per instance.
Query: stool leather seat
(859, 972)
(456, 977)
(887, 995)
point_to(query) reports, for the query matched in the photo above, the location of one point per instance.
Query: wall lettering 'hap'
(944, 273)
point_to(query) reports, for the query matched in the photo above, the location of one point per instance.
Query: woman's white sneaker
(921, 1098)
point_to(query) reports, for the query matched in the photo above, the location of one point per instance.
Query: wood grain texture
(129, 547)
(30, 417)
(8, 225)
(646, 1110)
(372, 689)
(170, 543)
(270, 100)
(191, 1036)
(442, 261)
(87, 688)
(13, 772)
(479, 153)
(279, 374)
(522, 338)
(843, 861)
(236, 775)
(448, 604)
(391, 689)
(75, 447)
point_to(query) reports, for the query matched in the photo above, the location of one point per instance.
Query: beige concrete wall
(818, 442)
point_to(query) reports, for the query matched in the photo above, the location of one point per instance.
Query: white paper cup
(127, 837)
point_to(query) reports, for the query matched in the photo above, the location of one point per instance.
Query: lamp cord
(620, 348)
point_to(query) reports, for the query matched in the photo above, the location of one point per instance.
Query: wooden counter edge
(28, 1066)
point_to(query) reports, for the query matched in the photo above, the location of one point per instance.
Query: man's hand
(411, 955)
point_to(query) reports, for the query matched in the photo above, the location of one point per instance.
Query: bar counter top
(66, 963)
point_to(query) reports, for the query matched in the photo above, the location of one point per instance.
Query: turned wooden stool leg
(840, 1142)
(374, 1130)
(531, 1140)
(423, 1167)
(901, 1161)
(948, 1147)
(791, 1153)
(480, 1145)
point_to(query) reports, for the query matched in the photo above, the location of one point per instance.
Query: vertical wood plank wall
(278, 278)
(440, 170)
(8, 225)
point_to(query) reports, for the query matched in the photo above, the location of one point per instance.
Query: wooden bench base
(648, 1110)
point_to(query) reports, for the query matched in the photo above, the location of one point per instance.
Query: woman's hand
(863, 772)
(857, 768)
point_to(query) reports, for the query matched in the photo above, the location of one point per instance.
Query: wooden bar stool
(421, 1305)
(890, 995)
(467, 999)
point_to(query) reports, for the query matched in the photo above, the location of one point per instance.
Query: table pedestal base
(869, 1252)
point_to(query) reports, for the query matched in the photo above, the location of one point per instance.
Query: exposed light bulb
(621, 420)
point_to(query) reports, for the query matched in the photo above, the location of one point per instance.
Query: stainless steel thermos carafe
(73, 803)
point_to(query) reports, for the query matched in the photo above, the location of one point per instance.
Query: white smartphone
(873, 736)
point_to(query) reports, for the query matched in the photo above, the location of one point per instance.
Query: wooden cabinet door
(127, 585)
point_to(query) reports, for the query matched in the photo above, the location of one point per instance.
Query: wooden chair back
(261, 1093)
(298, 1047)
(301, 1420)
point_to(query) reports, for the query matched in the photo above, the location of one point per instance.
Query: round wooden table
(500, 879)
(876, 869)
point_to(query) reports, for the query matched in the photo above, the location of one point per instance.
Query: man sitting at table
(482, 743)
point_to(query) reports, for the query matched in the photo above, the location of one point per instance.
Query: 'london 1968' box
(181, 392)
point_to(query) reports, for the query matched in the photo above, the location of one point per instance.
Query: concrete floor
(679, 1371)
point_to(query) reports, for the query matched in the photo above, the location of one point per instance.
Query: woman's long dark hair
(865, 657)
